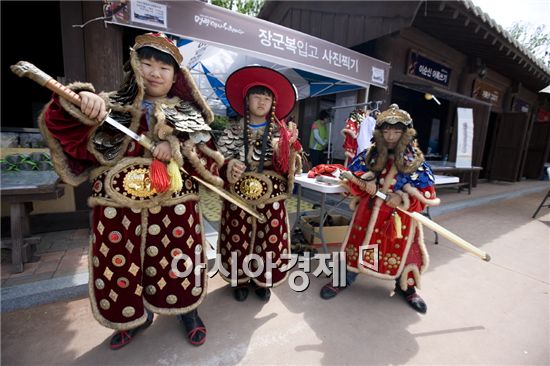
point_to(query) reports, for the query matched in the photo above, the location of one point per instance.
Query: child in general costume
(144, 217)
(394, 165)
(262, 157)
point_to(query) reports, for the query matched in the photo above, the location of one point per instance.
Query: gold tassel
(176, 183)
(397, 219)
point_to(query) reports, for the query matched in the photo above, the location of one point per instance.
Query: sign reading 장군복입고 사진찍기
(424, 68)
(211, 24)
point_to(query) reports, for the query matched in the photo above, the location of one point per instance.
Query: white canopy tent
(211, 65)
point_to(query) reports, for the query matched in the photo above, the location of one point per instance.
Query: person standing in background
(318, 139)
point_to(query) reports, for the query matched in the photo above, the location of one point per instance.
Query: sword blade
(122, 128)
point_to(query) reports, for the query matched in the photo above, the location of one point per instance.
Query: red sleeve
(418, 206)
(71, 134)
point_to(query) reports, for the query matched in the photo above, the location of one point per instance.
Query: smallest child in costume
(382, 241)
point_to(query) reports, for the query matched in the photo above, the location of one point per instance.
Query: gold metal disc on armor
(137, 183)
(252, 188)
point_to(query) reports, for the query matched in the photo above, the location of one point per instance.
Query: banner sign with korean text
(424, 68)
(211, 24)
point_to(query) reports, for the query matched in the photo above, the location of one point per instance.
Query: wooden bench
(19, 189)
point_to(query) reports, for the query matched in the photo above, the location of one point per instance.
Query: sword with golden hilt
(26, 69)
(453, 238)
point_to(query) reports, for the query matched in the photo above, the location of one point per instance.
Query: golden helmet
(394, 115)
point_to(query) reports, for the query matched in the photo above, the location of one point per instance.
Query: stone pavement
(479, 313)
(61, 271)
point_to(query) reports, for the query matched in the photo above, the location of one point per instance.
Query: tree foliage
(535, 39)
(248, 7)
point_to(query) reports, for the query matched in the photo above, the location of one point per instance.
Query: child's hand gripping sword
(26, 69)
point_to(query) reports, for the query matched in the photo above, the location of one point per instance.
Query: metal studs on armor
(133, 269)
(128, 312)
(152, 251)
(178, 232)
(110, 212)
(151, 271)
(105, 304)
(123, 282)
(175, 252)
(119, 260)
(179, 209)
(115, 237)
(97, 186)
(154, 210)
(154, 229)
(99, 284)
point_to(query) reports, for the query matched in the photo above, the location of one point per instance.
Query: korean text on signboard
(486, 92)
(306, 50)
(427, 69)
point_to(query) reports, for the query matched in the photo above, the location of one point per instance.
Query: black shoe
(123, 337)
(194, 327)
(413, 299)
(328, 291)
(263, 293)
(240, 293)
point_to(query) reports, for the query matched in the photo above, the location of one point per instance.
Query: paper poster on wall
(148, 12)
(465, 137)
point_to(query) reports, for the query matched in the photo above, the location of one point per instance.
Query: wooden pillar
(102, 49)
(74, 62)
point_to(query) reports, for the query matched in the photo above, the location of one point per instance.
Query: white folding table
(324, 188)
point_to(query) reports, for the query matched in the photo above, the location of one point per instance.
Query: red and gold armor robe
(351, 132)
(266, 191)
(137, 233)
(395, 242)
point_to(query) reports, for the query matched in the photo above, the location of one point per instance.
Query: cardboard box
(334, 234)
